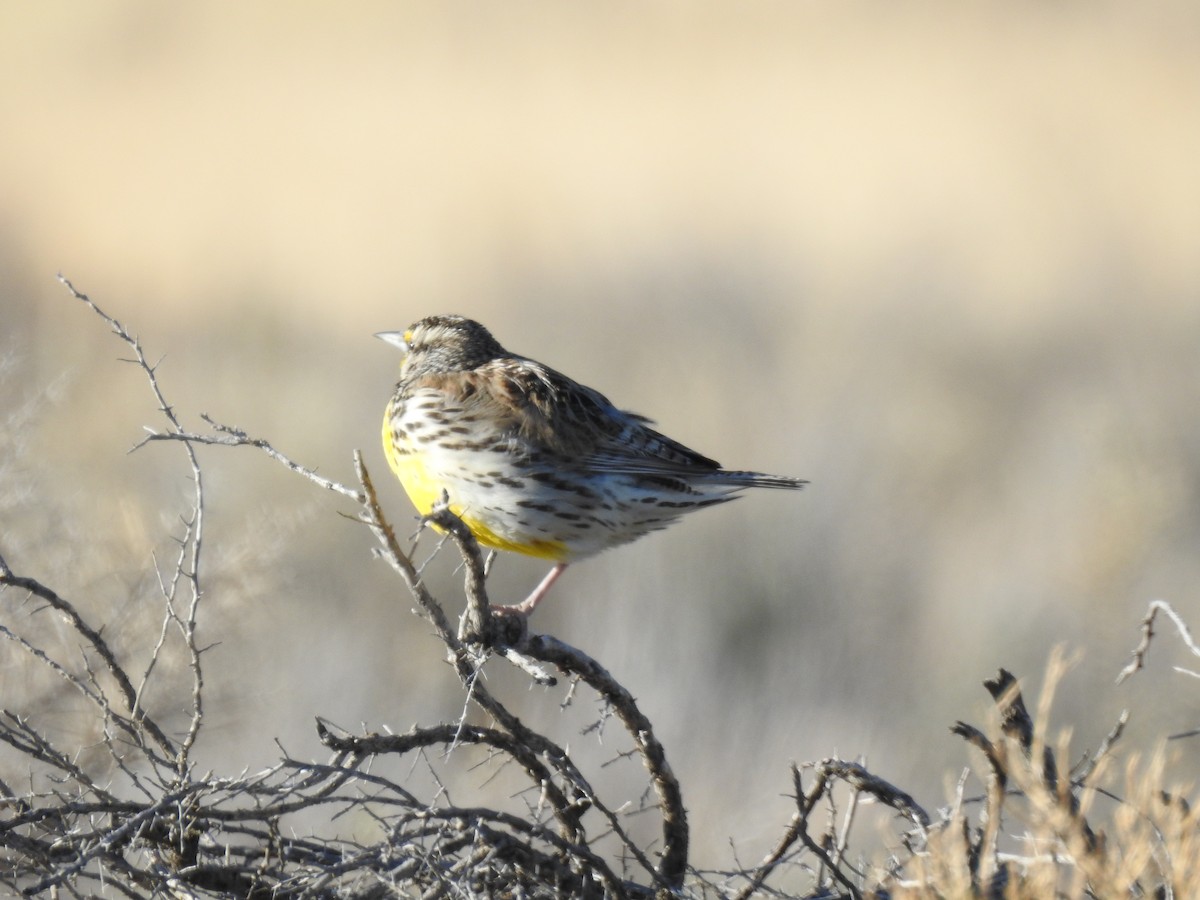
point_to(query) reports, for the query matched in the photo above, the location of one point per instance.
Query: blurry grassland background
(941, 259)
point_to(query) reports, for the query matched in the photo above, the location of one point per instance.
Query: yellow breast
(424, 487)
(410, 468)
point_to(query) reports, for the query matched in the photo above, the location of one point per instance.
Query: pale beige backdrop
(941, 259)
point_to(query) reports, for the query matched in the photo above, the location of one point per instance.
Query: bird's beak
(395, 338)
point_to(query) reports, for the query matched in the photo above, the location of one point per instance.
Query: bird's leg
(526, 606)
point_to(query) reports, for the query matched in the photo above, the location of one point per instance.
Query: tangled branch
(134, 817)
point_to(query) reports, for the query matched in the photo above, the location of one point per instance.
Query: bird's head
(443, 344)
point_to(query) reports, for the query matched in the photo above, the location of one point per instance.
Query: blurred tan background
(941, 259)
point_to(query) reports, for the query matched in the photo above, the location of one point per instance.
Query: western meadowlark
(532, 461)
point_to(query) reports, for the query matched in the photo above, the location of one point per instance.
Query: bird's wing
(561, 416)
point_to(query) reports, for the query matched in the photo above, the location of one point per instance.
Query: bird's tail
(739, 480)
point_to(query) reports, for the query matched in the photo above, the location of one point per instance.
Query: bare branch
(1139, 652)
(96, 641)
(188, 570)
(230, 436)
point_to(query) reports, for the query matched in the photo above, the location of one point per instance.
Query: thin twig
(231, 436)
(100, 645)
(1139, 652)
(194, 541)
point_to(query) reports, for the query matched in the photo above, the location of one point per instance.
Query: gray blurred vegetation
(942, 261)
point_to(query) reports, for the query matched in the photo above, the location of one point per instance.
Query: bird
(532, 461)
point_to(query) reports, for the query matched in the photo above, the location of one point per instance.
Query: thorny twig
(188, 569)
(828, 772)
(1138, 659)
